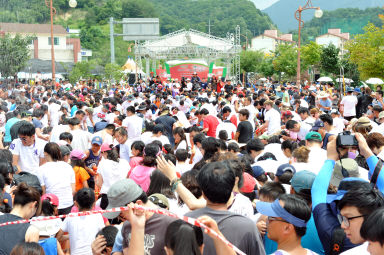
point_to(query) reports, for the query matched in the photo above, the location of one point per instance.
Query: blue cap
(276, 210)
(97, 140)
(342, 189)
(283, 168)
(357, 90)
(318, 124)
(257, 171)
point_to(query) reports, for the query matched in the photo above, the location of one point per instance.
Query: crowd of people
(274, 168)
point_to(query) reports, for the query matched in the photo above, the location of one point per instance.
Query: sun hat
(276, 210)
(77, 154)
(302, 180)
(159, 200)
(120, 194)
(97, 140)
(313, 136)
(322, 94)
(351, 170)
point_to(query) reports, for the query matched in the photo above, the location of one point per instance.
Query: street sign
(140, 28)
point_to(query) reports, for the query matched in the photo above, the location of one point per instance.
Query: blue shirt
(325, 103)
(311, 239)
(8, 125)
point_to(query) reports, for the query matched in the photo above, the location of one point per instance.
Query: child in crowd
(91, 160)
(137, 149)
(78, 165)
(82, 229)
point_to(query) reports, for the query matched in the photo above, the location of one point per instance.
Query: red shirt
(233, 119)
(211, 122)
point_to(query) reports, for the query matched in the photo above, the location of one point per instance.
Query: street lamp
(72, 3)
(318, 14)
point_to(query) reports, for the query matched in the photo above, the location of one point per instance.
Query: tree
(250, 60)
(266, 66)
(138, 9)
(286, 59)
(113, 71)
(310, 55)
(330, 59)
(81, 70)
(14, 54)
(366, 50)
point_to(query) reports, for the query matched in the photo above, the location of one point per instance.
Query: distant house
(335, 37)
(268, 41)
(66, 49)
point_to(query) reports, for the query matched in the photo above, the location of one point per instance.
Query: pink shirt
(135, 161)
(141, 175)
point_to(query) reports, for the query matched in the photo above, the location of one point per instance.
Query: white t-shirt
(82, 231)
(304, 130)
(181, 145)
(378, 129)
(229, 127)
(338, 123)
(182, 168)
(57, 131)
(125, 150)
(81, 140)
(29, 156)
(57, 178)
(242, 205)
(349, 103)
(316, 159)
(163, 139)
(111, 172)
(274, 119)
(360, 250)
(134, 126)
(54, 109)
(107, 138)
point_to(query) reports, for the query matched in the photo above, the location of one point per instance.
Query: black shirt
(245, 129)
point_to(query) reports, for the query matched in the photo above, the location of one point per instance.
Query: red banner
(187, 70)
(162, 73)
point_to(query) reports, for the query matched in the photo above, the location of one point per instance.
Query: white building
(268, 41)
(335, 37)
(66, 49)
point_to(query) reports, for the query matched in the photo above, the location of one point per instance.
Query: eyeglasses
(346, 220)
(23, 138)
(158, 202)
(270, 218)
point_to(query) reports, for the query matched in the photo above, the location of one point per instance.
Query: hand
(363, 146)
(166, 167)
(211, 223)
(136, 217)
(332, 153)
(98, 245)
(262, 227)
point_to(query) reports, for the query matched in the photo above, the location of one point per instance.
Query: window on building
(55, 40)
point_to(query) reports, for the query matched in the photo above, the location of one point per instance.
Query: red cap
(52, 198)
(249, 183)
(286, 113)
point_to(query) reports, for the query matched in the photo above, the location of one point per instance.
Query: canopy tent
(191, 44)
(324, 79)
(130, 66)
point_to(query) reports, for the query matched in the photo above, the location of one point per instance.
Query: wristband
(174, 184)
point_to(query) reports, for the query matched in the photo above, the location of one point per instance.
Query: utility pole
(112, 39)
(209, 26)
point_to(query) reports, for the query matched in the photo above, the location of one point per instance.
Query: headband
(279, 210)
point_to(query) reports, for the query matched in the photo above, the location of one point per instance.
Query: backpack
(29, 179)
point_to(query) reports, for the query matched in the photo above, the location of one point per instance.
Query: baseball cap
(97, 140)
(105, 147)
(357, 90)
(159, 200)
(318, 124)
(257, 171)
(381, 115)
(286, 113)
(283, 168)
(53, 199)
(313, 136)
(120, 194)
(335, 111)
(302, 180)
(351, 170)
(249, 183)
(276, 210)
(77, 154)
(65, 150)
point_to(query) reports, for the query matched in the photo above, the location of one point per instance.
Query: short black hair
(216, 180)
(131, 109)
(366, 199)
(272, 190)
(181, 155)
(244, 112)
(198, 138)
(326, 118)
(254, 145)
(26, 129)
(109, 233)
(66, 136)
(204, 111)
(223, 135)
(303, 110)
(290, 124)
(233, 147)
(226, 109)
(85, 198)
(73, 121)
(298, 207)
(372, 228)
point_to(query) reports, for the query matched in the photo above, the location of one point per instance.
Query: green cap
(313, 136)
(302, 180)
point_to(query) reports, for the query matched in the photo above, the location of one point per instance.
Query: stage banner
(186, 68)
(162, 73)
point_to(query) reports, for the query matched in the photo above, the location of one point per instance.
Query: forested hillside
(92, 17)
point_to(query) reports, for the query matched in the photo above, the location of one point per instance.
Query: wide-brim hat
(322, 94)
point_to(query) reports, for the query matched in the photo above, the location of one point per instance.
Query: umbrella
(262, 79)
(345, 79)
(374, 81)
(324, 79)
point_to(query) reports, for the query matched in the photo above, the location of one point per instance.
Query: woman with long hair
(26, 204)
(57, 177)
(180, 139)
(141, 173)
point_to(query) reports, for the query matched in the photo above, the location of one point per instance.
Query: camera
(283, 132)
(345, 139)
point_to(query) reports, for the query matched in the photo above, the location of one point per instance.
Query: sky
(262, 4)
